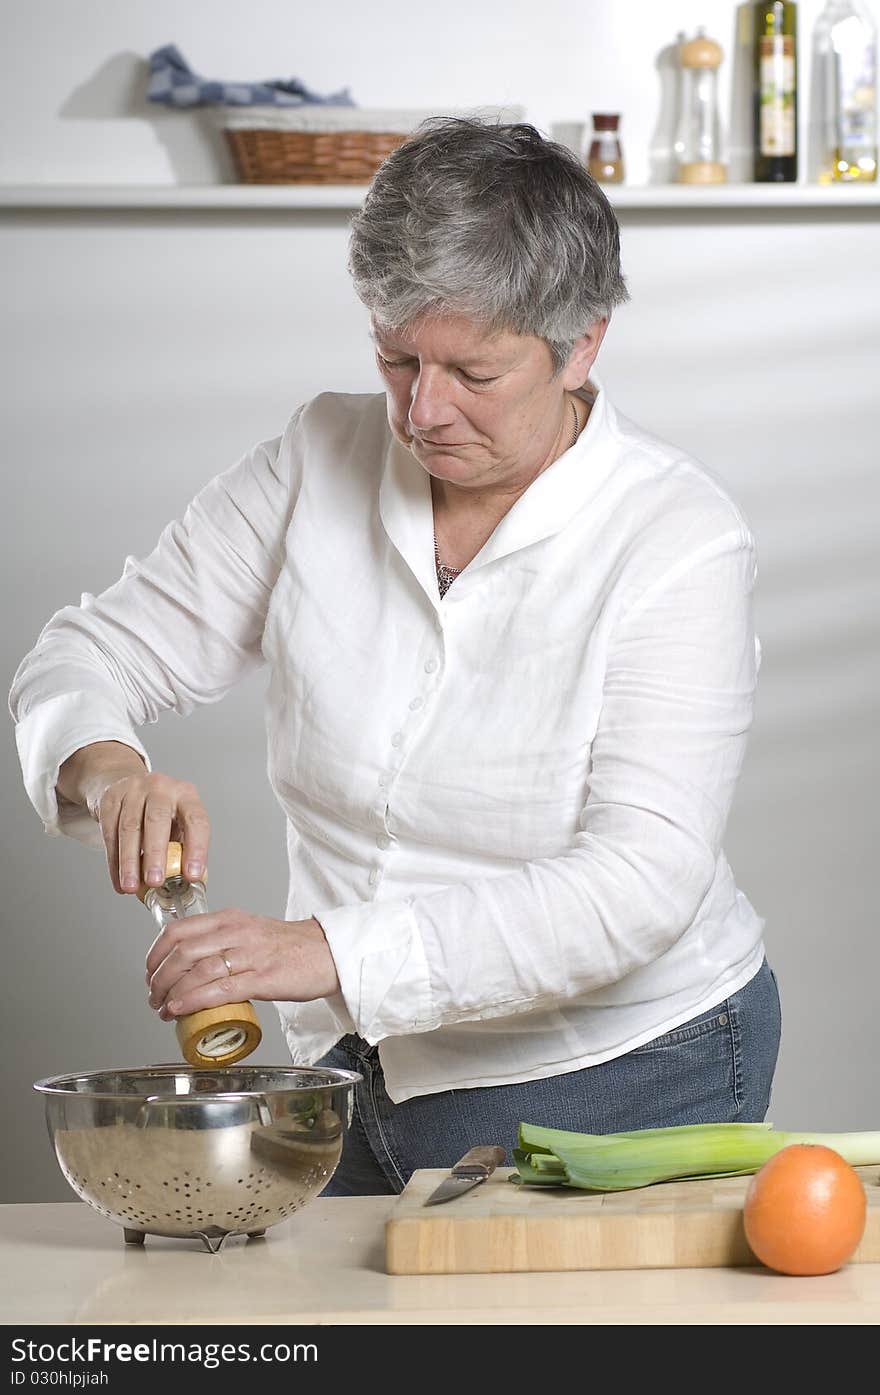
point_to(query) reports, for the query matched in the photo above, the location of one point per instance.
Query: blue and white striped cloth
(173, 82)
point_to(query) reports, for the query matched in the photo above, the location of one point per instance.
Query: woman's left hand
(230, 956)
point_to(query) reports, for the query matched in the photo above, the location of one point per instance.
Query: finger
(156, 837)
(129, 832)
(180, 975)
(190, 931)
(205, 984)
(173, 968)
(196, 830)
(185, 998)
(108, 822)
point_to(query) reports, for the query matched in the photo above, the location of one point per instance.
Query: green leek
(619, 1161)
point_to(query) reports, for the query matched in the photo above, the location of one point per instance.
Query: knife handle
(479, 1162)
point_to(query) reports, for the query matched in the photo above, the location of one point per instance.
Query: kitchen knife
(476, 1165)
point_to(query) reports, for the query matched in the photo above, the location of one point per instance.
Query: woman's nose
(430, 400)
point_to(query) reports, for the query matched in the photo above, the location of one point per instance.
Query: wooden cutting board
(501, 1228)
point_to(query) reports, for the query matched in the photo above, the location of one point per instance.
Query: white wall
(74, 72)
(145, 351)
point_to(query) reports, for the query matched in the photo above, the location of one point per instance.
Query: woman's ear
(583, 356)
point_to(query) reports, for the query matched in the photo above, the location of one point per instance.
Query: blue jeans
(716, 1068)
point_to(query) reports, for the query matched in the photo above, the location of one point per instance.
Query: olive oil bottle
(845, 66)
(775, 91)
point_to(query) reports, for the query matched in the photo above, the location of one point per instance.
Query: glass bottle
(845, 55)
(775, 85)
(605, 157)
(214, 1036)
(698, 142)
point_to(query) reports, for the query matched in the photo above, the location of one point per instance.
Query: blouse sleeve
(177, 630)
(677, 707)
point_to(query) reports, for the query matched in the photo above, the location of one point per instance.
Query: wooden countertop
(62, 1263)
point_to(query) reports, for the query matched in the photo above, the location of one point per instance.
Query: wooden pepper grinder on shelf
(698, 142)
(214, 1036)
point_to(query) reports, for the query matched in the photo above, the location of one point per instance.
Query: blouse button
(397, 739)
(431, 666)
(374, 876)
(416, 703)
(383, 842)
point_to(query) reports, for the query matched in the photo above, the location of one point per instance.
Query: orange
(805, 1210)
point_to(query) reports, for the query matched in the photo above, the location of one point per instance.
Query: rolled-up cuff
(382, 969)
(46, 737)
(312, 1029)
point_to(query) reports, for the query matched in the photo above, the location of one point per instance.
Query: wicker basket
(310, 157)
(325, 144)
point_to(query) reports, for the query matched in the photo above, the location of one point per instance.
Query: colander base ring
(213, 1240)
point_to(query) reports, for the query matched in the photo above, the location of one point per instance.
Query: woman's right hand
(139, 815)
(139, 812)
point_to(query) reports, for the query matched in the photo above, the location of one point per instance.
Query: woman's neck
(465, 518)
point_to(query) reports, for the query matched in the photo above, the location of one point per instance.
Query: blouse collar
(542, 510)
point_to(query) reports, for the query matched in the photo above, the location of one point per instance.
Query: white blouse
(506, 807)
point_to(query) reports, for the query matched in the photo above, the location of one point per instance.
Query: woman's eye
(389, 364)
(469, 378)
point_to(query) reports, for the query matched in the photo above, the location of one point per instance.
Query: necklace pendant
(445, 575)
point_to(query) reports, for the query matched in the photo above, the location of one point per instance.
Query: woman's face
(478, 410)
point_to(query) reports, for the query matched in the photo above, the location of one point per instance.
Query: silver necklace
(446, 575)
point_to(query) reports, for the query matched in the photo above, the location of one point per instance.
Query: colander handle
(142, 1118)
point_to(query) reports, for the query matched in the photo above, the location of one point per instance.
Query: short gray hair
(492, 221)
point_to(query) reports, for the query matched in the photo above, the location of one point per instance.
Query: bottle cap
(173, 868)
(605, 121)
(701, 52)
(174, 860)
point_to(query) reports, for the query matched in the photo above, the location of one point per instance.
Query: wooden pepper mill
(698, 143)
(214, 1036)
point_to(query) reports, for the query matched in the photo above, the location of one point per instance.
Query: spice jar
(605, 158)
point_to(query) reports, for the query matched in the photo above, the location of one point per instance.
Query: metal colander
(184, 1151)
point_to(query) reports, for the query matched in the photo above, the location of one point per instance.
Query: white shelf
(840, 197)
(174, 196)
(781, 196)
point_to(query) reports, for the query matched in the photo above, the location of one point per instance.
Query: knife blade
(476, 1165)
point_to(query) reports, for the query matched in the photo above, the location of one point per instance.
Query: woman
(512, 669)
